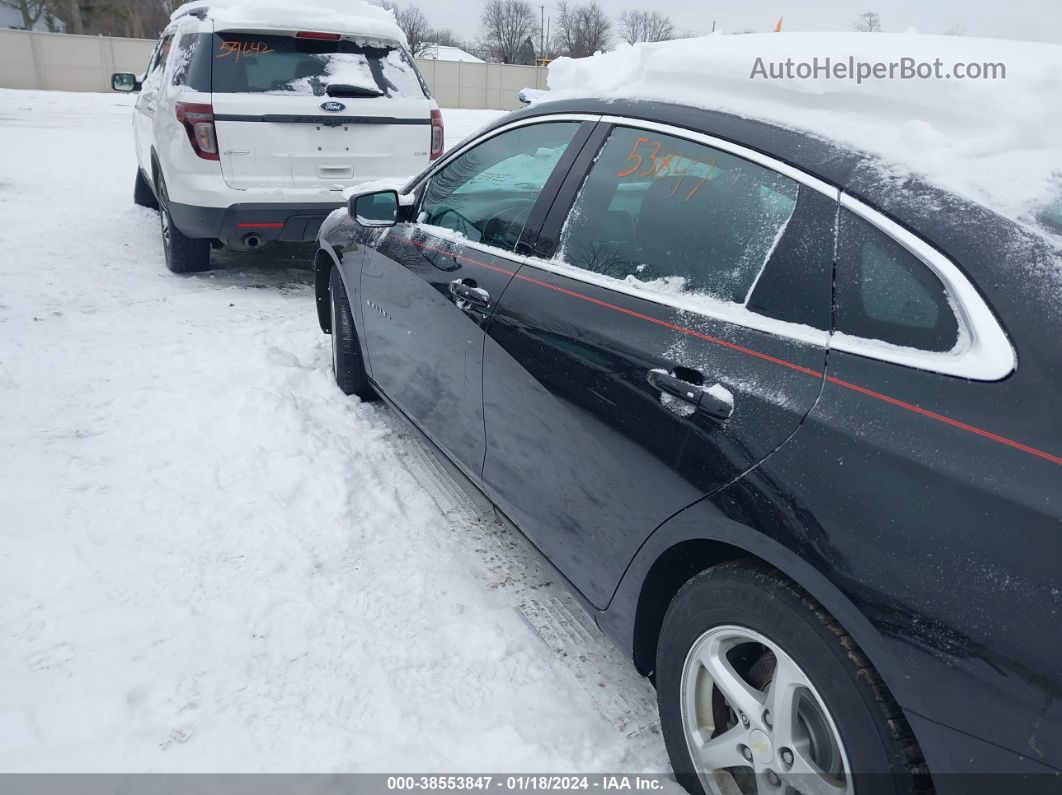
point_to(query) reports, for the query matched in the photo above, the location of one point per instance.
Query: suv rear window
(259, 63)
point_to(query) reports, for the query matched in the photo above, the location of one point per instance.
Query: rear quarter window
(257, 63)
(886, 293)
(191, 66)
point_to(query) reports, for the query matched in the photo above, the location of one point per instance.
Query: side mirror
(376, 209)
(124, 81)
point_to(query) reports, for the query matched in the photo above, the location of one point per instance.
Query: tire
(347, 363)
(183, 254)
(741, 628)
(143, 195)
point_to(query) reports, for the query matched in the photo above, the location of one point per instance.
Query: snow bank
(211, 560)
(995, 142)
(343, 16)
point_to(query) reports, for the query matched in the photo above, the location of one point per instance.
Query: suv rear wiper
(347, 90)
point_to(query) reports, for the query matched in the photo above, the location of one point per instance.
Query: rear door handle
(714, 401)
(467, 293)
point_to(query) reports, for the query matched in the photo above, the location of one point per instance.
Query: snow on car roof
(992, 141)
(339, 16)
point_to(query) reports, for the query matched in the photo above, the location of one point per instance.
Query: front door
(430, 286)
(636, 369)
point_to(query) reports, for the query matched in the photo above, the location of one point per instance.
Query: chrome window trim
(744, 317)
(731, 148)
(983, 351)
(474, 139)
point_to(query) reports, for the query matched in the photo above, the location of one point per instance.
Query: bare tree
(638, 26)
(868, 22)
(582, 30)
(70, 12)
(31, 10)
(958, 29)
(446, 38)
(506, 26)
(415, 25)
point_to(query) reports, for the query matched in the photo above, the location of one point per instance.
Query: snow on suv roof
(992, 141)
(332, 16)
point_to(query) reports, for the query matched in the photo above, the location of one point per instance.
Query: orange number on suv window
(242, 48)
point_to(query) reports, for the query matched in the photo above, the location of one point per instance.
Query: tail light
(198, 121)
(436, 134)
(312, 34)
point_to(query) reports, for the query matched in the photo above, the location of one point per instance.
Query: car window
(182, 59)
(157, 67)
(487, 193)
(671, 216)
(262, 63)
(886, 293)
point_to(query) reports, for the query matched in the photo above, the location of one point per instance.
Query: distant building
(443, 52)
(11, 18)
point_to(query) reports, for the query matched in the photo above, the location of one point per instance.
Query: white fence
(64, 62)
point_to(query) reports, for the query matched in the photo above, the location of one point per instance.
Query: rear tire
(347, 363)
(730, 635)
(143, 195)
(183, 254)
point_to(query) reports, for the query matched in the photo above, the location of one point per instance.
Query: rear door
(147, 102)
(315, 110)
(660, 345)
(430, 287)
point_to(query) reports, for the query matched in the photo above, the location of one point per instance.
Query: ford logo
(333, 107)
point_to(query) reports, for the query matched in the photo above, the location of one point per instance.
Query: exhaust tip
(252, 241)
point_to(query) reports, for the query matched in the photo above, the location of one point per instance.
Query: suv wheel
(142, 193)
(760, 690)
(347, 363)
(183, 254)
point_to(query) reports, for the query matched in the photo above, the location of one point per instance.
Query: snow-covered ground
(210, 560)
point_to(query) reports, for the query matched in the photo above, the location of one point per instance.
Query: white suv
(248, 128)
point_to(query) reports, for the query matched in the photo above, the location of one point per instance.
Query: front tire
(183, 254)
(143, 195)
(347, 363)
(761, 690)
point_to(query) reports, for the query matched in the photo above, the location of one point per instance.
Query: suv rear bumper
(292, 223)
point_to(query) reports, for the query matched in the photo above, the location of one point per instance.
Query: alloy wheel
(754, 722)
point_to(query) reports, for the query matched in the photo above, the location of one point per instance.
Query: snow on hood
(338, 16)
(995, 142)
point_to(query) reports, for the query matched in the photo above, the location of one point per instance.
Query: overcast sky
(1036, 20)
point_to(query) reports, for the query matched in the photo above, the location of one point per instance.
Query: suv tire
(143, 195)
(183, 254)
(729, 634)
(347, 363)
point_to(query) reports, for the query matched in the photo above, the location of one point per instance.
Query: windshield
(262, 63)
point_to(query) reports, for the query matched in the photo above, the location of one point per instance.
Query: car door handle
(714, 401)
(466, 292)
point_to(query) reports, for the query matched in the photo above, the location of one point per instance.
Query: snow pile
(213, 561)
(994, 142)
(342, 16)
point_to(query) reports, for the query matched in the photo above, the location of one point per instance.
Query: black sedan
(788, 425)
